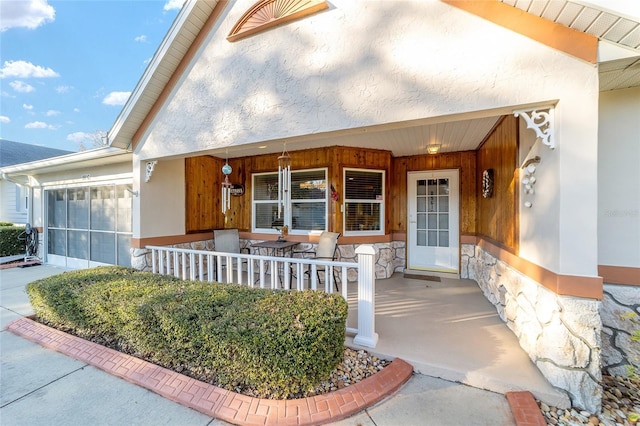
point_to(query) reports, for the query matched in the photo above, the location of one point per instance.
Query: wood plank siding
(494, 218)
(498, 215)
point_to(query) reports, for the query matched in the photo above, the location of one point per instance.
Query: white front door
(433, 216)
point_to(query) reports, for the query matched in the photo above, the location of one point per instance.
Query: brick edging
(212, 400)
(525, 409)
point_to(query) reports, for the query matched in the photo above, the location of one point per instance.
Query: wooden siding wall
(498, 215)
(464, 161)
(204, 177)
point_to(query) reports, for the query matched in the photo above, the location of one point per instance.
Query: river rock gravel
(620, 400)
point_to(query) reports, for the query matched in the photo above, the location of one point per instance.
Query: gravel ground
(621, 397)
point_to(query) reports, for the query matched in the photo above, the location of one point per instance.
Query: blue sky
(68, 67)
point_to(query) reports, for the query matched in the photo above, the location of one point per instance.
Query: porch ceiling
(402, 139)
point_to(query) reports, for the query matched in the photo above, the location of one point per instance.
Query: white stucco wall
(364, 63)
(159, 210)
(619, 178)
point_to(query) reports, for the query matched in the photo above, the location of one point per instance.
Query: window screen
(364, 202)
(308, 201)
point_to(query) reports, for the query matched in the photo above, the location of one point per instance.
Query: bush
(10, 243)
(6, 224)
(279, 344)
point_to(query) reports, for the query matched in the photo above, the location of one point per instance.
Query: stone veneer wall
(618, 350)
(561, 334)
(390, 257)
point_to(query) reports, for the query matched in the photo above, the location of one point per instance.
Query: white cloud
(26, 14)
(27, 107)
(116, 98)
(36, 125)
(24, 69)
(76, 110)
(141, 38)
(22, 87)
(63, 89)
(52, 113)
(79, 137)
(4, 119)
(173, 4)
(41, 125)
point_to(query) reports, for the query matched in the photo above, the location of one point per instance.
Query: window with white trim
(364, 202)
(309, 202)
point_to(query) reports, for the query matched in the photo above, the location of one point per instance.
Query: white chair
(226, 241)
(326, 250)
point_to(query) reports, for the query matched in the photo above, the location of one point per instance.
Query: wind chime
(284, 183)
(226, 188)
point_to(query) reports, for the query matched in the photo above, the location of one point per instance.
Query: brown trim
(186, 60)
(566, 285)
(576, 43)
(619, 274)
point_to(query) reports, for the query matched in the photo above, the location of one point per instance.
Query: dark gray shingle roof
(17, 153)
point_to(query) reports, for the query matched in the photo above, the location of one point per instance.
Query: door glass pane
(443, 221)
(443, 186)
(422, 221)
(78, 244)
(421, 188)
(432, 187)
(422, 238)
(433, 221)
(103, 247)
(444, 239)
(421, 204)
(433, 204)
(433, 238)
(78, 208)
(444, 204)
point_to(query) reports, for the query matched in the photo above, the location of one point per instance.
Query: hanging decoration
(284, 183)
(226, 188)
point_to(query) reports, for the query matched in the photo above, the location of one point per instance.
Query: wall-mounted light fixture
(433, 148)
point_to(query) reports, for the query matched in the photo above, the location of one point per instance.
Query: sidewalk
(40, 386)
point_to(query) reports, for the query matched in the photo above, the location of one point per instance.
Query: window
(363, 202)
(308, 202)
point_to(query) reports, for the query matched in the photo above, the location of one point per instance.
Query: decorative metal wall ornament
(529, 180)
(149, 170)
(487, 183)
(284, 183)
(541, 122)
(226, 188)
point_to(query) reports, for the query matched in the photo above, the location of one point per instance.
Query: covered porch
(446, 328)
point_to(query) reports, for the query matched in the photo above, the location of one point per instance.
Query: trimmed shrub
(10, 243)
(279, 344)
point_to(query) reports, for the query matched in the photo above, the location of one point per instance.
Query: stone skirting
(561, 334)
(390, 257)
(618, 349)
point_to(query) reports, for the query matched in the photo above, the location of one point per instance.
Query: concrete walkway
(39, 386)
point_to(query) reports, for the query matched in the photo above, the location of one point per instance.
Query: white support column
(367, 335)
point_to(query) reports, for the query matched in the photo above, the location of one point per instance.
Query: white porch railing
(291, 274)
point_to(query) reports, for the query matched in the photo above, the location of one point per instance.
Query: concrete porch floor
(448, 329)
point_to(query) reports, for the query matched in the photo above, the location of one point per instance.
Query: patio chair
(326, 250)
(226, 241)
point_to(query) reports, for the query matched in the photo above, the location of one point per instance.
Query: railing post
(367, 335)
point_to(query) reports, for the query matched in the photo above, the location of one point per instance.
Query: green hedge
(280, 344)
(9, 242)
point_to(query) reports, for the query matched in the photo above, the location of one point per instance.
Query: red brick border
(525, 409)
(214, 401)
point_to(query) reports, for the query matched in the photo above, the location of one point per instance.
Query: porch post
(367, 335)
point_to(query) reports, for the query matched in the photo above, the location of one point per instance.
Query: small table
(277, 248)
